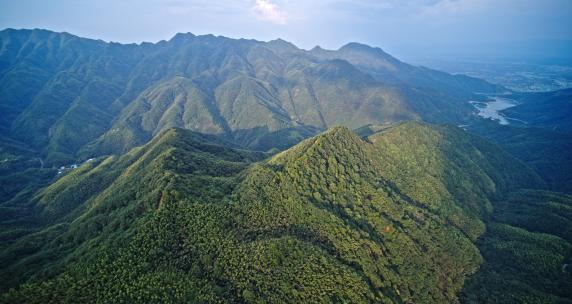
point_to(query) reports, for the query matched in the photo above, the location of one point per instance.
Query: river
(491, 109)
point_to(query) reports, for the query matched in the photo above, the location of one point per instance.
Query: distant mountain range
(67, 96)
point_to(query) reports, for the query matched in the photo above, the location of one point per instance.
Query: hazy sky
(395, 25)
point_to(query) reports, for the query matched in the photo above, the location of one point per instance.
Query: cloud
(268, 11)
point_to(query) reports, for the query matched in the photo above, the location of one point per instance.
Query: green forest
(413, 213)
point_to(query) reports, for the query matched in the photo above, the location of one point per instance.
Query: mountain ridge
(84, 89)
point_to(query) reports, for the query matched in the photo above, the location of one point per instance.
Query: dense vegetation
(110, 194)
(335, 218)
(526, 249)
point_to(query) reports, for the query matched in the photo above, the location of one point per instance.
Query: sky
(405, 27)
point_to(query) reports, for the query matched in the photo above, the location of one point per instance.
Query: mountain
(104, 197)
(389, 217)
(72, 98)
(136, 173)
(57, 89)
(388, 69)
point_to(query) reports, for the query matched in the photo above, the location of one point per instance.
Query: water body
(491, 109)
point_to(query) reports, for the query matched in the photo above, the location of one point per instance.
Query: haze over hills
(206, 169)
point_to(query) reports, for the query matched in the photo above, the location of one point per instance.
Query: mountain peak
(341, 136)
(283, 45)
(182, 36)
(317, 48)
(330, 141)
(356, 46)
(360, 47)
(339, 130)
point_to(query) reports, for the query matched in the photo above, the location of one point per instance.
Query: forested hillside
(391, 218)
